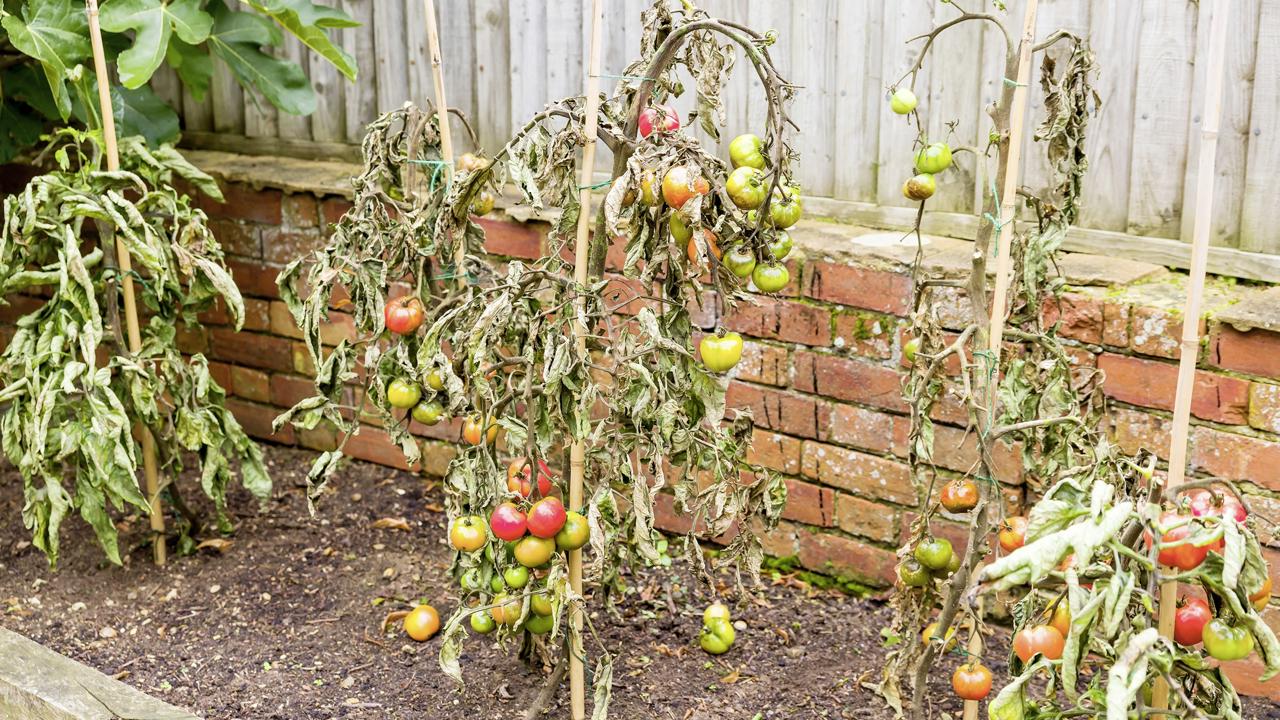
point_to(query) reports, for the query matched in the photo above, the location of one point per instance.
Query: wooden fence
(504, 59)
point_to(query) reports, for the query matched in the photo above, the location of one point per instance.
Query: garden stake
(1004, 257)
(437, 80)
(578, 451)
(1190, 348)
(126, 274)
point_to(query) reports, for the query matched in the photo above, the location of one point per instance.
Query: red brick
(781, 542)
(955, 449)
(1078, 317)
(779, 410)
(254, 279)
(861, 428)
(436, 458)
(511, 239)
(866, 334)
(1256, 352)
(1154, 384)
(809, 504)
(192, 340)
(241, 202)
(781, 320)
(849, 379)
(237, 238)
(1133, 431)
(1236, 457)
(250, 384)
(221, 374)
(880, 290)
(1158, 332)
(256, 421)
(1115, 324)
(866, 475)
(340, 326)
(1264, 407)
(333, 208)
(763, 363)
(868, 519)
(252, 349)
(323, 437)
(301, 210)
(281, 246)
(778, 452)
(836, 555)
(375, 445)
(289, 390)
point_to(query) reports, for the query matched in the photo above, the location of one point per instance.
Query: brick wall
(822, 372)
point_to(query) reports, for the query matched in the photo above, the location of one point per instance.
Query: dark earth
(285, 621)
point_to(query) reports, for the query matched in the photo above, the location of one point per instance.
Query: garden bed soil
(285, 621)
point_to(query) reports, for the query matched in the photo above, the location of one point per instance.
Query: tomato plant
(75, 399)
(499, 344)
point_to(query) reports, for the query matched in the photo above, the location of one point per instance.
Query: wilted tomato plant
(494, 349)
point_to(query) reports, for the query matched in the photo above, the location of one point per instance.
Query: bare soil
(286, 621)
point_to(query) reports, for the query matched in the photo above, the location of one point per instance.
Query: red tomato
(662, 118)
(1042, 639)
(1206, 503)
(678, 186)
(403, 315)
(518, 480)
(971, 681)
(546, 517)
(1189, 620)
(508, 522)
(1176, 528)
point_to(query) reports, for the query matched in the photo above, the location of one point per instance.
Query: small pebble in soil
(107, 633)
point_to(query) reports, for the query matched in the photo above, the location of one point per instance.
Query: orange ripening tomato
(471, 431)
(1038, 639)
(1013, 533)
(971, 681)
(678, 186)
(422, 622)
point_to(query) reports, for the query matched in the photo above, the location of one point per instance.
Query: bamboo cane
(437, 80)
(1004, 245)
(150, 471)
(1190, 347)
(578, 451)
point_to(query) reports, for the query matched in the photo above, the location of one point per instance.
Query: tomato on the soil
(1042, 639)
(959, 495)
(971, 681)
(717, 636)
(422, 622)
(403, 315)
(720, 353)
(1189, 619)
(716, 611)
(468, 533)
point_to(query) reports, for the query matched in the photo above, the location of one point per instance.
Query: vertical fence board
(1258, 229)
(293, 127)
(1166, 42)
(493, 73)
(903, 19)
(328, 122)
(458, 54)
(391, 54)
(955, 99)
(1233, 129)
(228, 100)
(1105, 199)
(528, 38)
(815, 104)
(860, 103)
(360, 98)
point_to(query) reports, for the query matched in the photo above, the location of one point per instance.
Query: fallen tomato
(716, 611)
(422, 622)
(717, 637)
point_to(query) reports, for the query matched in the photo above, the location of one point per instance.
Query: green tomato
(1224, 641)
(516, 576)
(540, 604)
(715, 611)
(933, 158)
(770, 277)
(781, 244)
(429, 412)
(483, 622)
(913, 574)
(575, 533)
(740, 260)
(721, 352)
(435, 380)
(785, 209)
(717, 637)
(910, 349)
(471, 580)
(679, 230)
(746, 187)
(538, 624)
(747, 151)
(934, 553)
(403, 394)
(902, 101)
(919, 187)
(496, 584)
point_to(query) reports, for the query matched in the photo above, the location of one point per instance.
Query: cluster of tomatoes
(931, 159)
(717, 634)
(747, 187)
(531, 531)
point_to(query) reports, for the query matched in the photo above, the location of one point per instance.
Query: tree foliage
(46, 76)
(497, 339)
(73, 393)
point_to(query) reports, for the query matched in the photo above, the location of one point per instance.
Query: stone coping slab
(37, 683)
